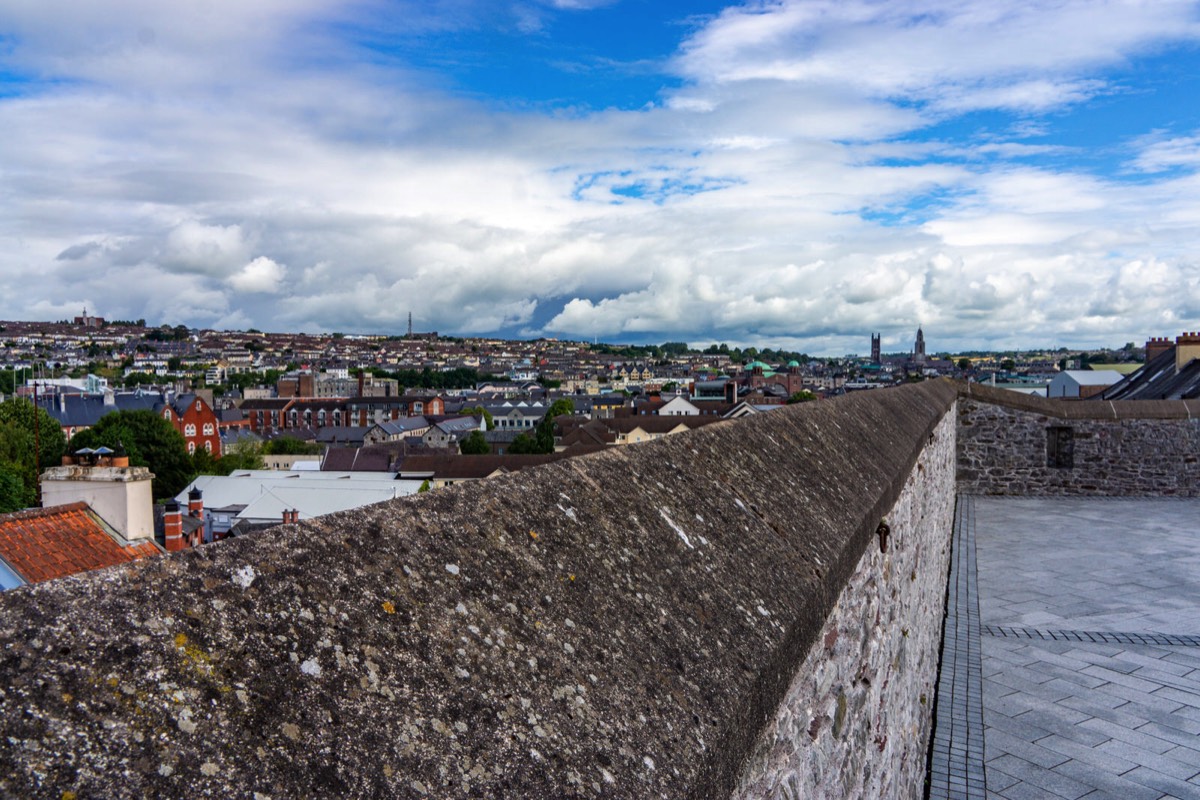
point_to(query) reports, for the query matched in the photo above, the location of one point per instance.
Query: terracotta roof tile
(45, 543)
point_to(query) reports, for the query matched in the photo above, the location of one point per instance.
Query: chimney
(120, 458)
(172, 527)
(1156, 346)
(121, 495)
(1187, 348)
(361, 380)
(196, 503)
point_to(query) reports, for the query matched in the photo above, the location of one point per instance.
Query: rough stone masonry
(620, 625)
(856, 719)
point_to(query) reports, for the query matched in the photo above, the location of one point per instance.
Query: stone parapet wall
(856, 719)
(624, 624)
(1013, 444)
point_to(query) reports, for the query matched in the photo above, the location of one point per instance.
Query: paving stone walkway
(1089, 613)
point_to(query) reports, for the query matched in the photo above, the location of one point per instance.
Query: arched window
(189, 430)
(191, 448)
(208, 446)
(166, 413)
(208, 429)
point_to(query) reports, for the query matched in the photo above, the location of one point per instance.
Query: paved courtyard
(1088, 651)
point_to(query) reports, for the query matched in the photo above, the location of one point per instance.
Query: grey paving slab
(1088, 617)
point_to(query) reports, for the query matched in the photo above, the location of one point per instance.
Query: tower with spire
(919, 347)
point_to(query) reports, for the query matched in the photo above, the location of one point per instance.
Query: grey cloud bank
(189, 166)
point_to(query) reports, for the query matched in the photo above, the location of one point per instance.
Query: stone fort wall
(856, 719)
(652, 621)
(1015, 444)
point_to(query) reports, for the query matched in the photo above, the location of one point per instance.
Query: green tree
(802, 396)
(12, 489)
(424, 487)
(543, 437)
(523, 444)
(487, 415)
(475, 445)
(240, 455)
(1008, 365)
(290, 446)
(150, 441)
(17, 445)
(964, 364)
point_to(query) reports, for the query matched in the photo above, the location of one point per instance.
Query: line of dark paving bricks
(1168, 639)
(956, 768)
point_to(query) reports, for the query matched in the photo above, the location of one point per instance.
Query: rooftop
(46, 543)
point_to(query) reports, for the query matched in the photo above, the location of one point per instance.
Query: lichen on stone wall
(478, 641)
(856, 718)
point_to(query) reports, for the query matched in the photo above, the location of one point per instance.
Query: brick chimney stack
(1187, 348)
(173, 527)
(196, 503)
(1156, 346)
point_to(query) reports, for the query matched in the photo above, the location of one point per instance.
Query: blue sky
(790, 174)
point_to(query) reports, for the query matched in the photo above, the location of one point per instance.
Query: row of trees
(457, 378)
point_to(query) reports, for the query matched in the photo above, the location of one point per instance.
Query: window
(198, 406)
(167, 414)
(208, 446)
(189, 430)
(1060, 447)
(191, 448)
(208, 429)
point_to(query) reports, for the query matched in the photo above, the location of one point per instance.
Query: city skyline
(792, 173)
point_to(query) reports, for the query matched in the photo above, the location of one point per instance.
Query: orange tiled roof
(45, 543)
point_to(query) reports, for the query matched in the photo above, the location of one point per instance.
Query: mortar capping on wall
(1082, 409)
(678, 572)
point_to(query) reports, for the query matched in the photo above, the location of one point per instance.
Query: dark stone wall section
(1013, 444)
(623, 625)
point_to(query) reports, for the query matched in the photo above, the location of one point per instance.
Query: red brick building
(193, 417)
(283, 413)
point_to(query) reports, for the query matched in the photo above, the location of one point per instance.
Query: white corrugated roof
(310, 493)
